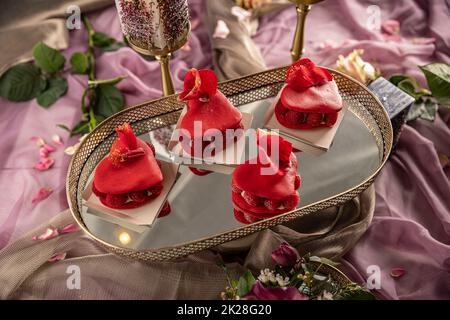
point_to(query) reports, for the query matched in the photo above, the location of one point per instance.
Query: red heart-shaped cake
(209, 113)
(129, 176)
(310, 98)
(266, 185)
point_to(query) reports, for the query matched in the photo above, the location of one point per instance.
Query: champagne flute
(155, 28)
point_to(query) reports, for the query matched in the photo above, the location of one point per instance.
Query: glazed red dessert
(207, 106)
(129, 176)
(310, 98)
(258, 196)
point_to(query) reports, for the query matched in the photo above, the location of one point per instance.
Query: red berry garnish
(138, 196)
(165, 210)
(293, 117)
(272, 204)
(292, 201)
(116, 200)
(236, 189)
(251, 199)
(330, 118)
(297, 183)
(156, 190)
(314, 119)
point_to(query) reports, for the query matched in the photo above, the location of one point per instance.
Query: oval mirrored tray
(202, 214)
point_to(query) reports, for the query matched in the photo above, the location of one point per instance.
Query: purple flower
(285, 255)
(259, 292)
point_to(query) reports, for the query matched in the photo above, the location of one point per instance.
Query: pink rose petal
(49, 148)
(49, 233)
(397, 272)
(44, 164)
(42, 194)
(390, 27)
(57, 257)
(57, 140)
(43, 153)
(72, 227)
(221, 30)
(38, 140)
(241, 13)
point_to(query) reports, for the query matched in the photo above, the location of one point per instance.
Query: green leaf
(81, 127)
(114, 46)
(438, 79)
(56, 88)
(407, 86)
(22, 82)
(101, 39)
(48, 59)
(234, 283)
(423, 108)
(245, 284)
(79, 62)
(109, 100)
(396, 79)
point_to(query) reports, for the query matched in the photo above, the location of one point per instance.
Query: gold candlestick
(303, 7)
(156, 28)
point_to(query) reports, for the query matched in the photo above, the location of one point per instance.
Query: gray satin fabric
(27, 22)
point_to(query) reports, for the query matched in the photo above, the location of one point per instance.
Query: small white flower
(221, 30)
(282, 282)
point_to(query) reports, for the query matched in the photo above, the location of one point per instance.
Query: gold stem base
(166, 78)
(297, 44)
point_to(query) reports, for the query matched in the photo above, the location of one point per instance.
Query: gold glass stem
(166, 78)
(297, 44)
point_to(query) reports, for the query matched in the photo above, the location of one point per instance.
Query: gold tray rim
(188, 247)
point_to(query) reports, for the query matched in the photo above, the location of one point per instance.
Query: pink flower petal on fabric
(42, 194)
(43, 153)
(57, 257)
(49, 148)
(72, 227)
(49, 233)
(45, 150)
(44, 164)
(221, 30)
(423, 40)
(57, 140)
(397, 272)
(390, 27)
(241, 13)
(38, 140)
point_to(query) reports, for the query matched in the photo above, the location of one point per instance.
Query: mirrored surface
(202, 207)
